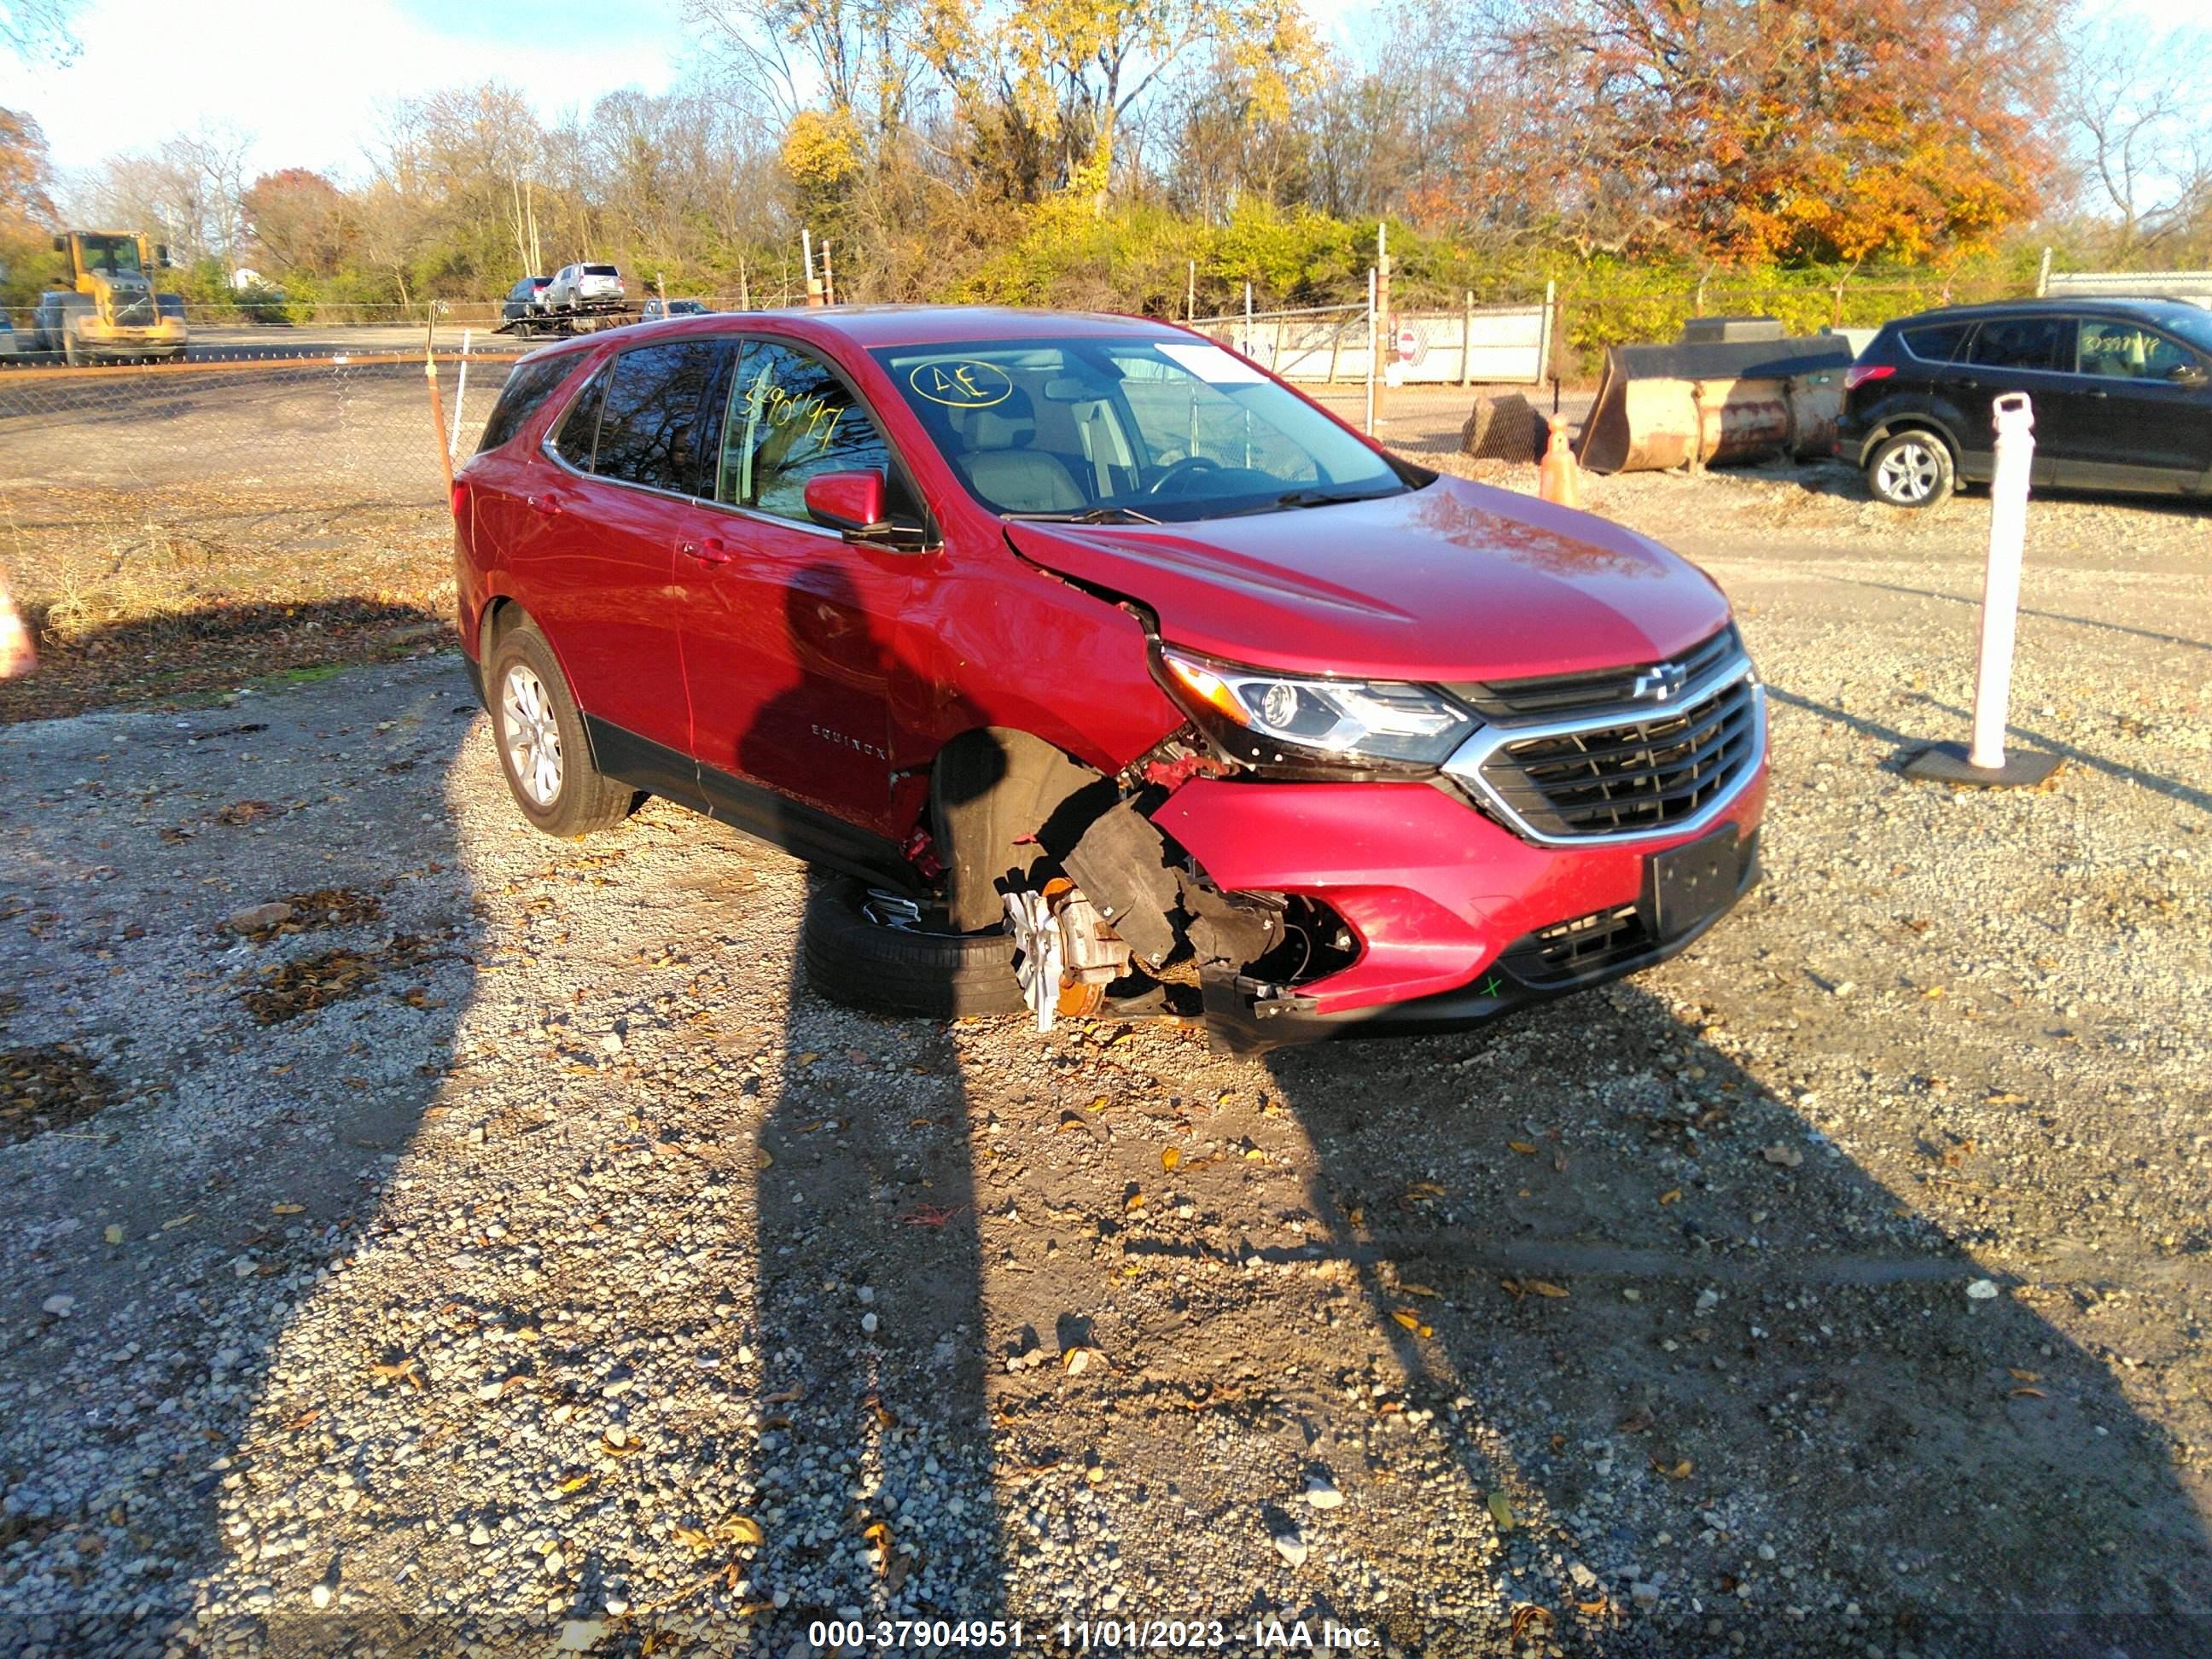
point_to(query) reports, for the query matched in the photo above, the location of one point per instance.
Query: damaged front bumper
(1458, 919)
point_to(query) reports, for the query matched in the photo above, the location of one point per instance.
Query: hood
(1456, 581)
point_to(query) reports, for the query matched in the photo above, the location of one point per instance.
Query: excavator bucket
(1695, 403)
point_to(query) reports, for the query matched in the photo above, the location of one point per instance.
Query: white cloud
(307, 82)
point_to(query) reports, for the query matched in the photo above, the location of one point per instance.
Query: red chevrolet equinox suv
(1096, 670)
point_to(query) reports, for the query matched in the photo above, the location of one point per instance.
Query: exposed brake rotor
(1065, 955)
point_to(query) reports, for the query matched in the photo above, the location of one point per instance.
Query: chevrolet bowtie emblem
(1659, 683)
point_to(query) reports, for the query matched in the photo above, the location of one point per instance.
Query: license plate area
(1687, 885)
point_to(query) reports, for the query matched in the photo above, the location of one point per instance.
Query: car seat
(1002, 466)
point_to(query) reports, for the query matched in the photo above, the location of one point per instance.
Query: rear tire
(543, 750)
(868, 950)
(1912, 470)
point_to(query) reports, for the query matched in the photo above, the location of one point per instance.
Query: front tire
(1912, 470)
(872, 951)
(544, 751)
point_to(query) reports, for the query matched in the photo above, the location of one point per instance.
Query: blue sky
(306, 83)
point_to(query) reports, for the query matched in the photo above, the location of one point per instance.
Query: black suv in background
(2122, 390)
(525, 299)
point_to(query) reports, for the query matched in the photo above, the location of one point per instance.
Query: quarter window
(524, 393)
(1938, 343)
(791, 419)
(2028, 343)
(2129, 351)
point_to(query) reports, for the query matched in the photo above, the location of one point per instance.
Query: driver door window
(791, 419)
(2128, 351)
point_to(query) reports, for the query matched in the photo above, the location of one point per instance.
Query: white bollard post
(1985, 762)
(1374, 350)
(2015, 456)
(460, 397)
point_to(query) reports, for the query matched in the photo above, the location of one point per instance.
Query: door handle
(709, 550)
(549, 504)
(2098, 395)
(1970, 385)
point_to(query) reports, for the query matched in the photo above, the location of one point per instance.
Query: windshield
(1169, 429)
(110, 254)
(2191, 324)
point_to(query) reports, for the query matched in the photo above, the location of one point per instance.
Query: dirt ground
(509, 1247)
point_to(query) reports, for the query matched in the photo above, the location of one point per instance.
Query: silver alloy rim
(533, 736)
(1908, 473)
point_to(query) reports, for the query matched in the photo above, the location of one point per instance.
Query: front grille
(1588, 944)
(1641, 774)
(1557, 694)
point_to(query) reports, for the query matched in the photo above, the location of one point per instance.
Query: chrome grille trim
(1466, 767)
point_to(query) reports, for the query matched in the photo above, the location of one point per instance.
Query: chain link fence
(182, 528)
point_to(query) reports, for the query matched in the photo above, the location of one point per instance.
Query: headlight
(1270, 720)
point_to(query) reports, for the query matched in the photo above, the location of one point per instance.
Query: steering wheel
(1187, 467)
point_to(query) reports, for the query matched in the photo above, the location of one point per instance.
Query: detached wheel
(874, 950)
(1912, 470)
(542, 750)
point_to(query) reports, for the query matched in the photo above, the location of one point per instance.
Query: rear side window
(524, 395)
(2025, 343)
(572, 439)
(658, 407)
(1938, 342)
(600, 270)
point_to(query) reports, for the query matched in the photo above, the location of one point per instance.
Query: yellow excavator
(111, 309)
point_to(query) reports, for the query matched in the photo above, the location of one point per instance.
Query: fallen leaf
(1422, 1191)
(1417, 1290)
(742, 1529)
(2032, 1393)
(1525, 1148)
(763, 1159)
(2020, 1375)
(576, 1482)
(1677, 1471)
(1543, 1287)
(1672, 1195)
(1407, 1317)
(288, 1209)
(1501, 1510)
(1135, 1201)
(1170, 1156)
(115, 1234)
(1592, 1609)
(1528, 1613)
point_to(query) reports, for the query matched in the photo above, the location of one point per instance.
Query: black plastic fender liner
(1000, 802)
(1122, 864)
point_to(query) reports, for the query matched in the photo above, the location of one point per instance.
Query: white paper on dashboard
(1212, 365)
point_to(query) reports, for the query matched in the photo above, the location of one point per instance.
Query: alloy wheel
(533, 736)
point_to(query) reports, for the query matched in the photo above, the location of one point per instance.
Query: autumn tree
(1756, 131)
(26, 177)
(300, 221)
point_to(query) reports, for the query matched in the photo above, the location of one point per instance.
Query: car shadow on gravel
(256, 1081)
(1743, 1392)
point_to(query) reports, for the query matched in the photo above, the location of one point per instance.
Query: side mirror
(61, 243)
(2192, 375)
(850, 501)
(161, 255)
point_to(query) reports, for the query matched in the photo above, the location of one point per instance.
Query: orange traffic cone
(1558, 478)
(16, 654)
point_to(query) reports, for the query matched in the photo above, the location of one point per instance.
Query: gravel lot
(505, 1249)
